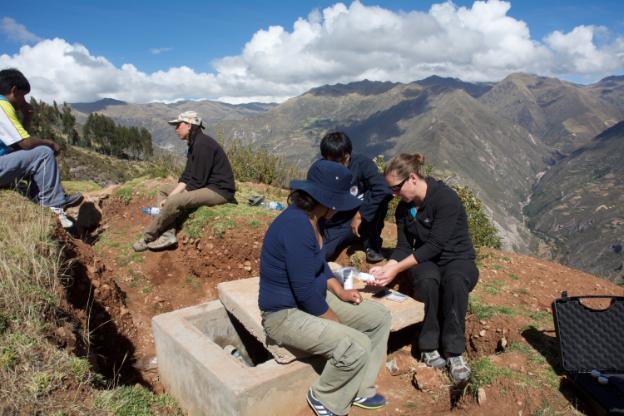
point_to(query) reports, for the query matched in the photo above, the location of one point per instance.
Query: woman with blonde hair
(435, 252)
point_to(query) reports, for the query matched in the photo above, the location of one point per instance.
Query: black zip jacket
(439, 230)
(207, 166)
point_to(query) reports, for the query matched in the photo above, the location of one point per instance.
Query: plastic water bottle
(278, 206)
(150, 211)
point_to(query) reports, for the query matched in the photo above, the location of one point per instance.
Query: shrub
(256, 165)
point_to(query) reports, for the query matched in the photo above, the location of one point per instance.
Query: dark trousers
(337, 236)
(444, 291)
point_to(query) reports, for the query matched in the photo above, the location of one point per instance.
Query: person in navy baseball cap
(306, 308)
(328, 183)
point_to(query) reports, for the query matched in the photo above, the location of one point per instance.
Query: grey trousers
(176, 205)
(355, 348)
(39, 166)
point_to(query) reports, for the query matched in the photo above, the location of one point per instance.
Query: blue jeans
(39, 166)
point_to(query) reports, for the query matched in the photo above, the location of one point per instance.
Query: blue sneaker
(318, 407)
(374, 402)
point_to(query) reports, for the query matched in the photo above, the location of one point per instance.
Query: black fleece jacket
(438, 232)
(207, 166)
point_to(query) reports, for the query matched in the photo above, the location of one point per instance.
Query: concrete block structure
(197, 368)
(214, 358)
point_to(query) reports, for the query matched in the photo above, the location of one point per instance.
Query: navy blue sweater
(438, 232)
(293, 270)
(369, 185)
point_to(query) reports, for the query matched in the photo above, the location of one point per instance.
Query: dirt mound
(509, 330)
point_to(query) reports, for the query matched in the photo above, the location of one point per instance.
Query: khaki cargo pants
(176, 205)
(355, 348)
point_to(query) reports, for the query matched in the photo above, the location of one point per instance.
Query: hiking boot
(318, 407)
(375, 402)
(140, 245)
(432, 359)
(458, 369)
(166, 240)
(373, 256)
(72, 200)
(63, 219)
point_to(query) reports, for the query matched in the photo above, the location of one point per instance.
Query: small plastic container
(278, 206)
(345, 276)
(150, 210)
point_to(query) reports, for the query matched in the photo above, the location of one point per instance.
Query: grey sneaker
(432, 359)
(166, 240)
(140, 245)
(458, 369)
(65, 221)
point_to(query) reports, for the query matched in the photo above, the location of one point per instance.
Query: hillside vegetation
(37, 376)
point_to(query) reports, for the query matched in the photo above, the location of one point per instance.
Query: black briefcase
(592, 349)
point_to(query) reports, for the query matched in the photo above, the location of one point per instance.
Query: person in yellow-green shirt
(23, 156)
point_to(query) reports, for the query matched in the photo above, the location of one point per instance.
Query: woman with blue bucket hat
(304, 307)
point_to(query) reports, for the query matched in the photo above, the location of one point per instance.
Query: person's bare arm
(32, 142)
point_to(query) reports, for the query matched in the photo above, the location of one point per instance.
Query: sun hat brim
(336, 200)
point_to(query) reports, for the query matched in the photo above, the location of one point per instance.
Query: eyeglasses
(397, 188)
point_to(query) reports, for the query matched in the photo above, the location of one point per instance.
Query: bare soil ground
(509, 330)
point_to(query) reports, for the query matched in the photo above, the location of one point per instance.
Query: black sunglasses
(397, 188)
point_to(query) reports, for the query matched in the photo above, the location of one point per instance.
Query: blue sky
(180, 49)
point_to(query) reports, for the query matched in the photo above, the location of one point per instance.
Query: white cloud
(337, 44)
(577, 52)
(16, 31)
(158, 51)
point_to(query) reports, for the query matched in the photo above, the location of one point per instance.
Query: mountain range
(515, 142)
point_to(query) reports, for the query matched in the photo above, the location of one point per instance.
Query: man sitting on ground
(23, 156)
(367, 221)
(207, 180)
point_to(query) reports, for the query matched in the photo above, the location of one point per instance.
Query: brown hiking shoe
(140, 245)
(166, 240)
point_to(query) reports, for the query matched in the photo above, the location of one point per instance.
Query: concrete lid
(240, 298)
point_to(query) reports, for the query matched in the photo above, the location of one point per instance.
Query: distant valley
(522, 144)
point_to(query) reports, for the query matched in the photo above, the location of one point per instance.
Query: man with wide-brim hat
(305, 307)
(207, 180)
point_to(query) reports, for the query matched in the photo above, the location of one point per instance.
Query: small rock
(482, 333)
(105, 290)
(502, 343)
(482, 322)
(400, 363)
(146, 363)
(426, 379)
(481, 398)
(498, 330)
(247, 268)
(247, 263)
